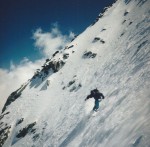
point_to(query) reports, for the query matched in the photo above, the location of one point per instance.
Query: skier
(97, 96)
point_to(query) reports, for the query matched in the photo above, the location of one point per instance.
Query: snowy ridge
(113, 55)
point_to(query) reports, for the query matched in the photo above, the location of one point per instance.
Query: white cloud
(72, 35)
(48, 43)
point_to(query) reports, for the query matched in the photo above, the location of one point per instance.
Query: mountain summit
(112, 55)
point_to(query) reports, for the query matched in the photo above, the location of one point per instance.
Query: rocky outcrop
(96, 39)
(89, 55)
(4, 115)
(13, 96)
(65, 56)
(26, 130)
(20, 121)
(53, 66)
(4, 132)
(55, 53)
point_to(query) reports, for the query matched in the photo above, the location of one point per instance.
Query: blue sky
(19, 19)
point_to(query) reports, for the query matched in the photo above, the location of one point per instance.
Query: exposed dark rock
(64, 88)
(70, 83)
(20, 121)
(71, 46)
(74, 86)
(102, 41)
(58, 66)
(48, 82)
(130, 22)
(37, 69)
(74, 76)
(2, 115)
(26, 130)
(49, 67)
(66, 47)
(89, 55)
(52, 65)
(46, 72)
(1, 123)
(4, 132)
(96, 20)
(103, 30)
(65, 56)
(126, 13)
(33, 131)
(80, 85)
(122, 34)
(55, 53)
(47, 60)
(98, 39)
(13, 96)
(124, 21)
(36, 137)
(36, 74)
(137, 142)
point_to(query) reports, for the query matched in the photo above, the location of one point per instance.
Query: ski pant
(96, 106)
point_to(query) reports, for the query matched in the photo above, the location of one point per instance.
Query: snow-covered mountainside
(113, 55)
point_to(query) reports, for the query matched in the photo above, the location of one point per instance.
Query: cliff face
(112, 55)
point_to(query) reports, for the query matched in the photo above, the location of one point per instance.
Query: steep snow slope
(113, 55)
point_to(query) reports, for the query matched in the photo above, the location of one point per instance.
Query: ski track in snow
(120, 71)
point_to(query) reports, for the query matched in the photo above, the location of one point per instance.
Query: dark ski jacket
(96, 95)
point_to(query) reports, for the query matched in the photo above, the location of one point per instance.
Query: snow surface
(120, 70)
